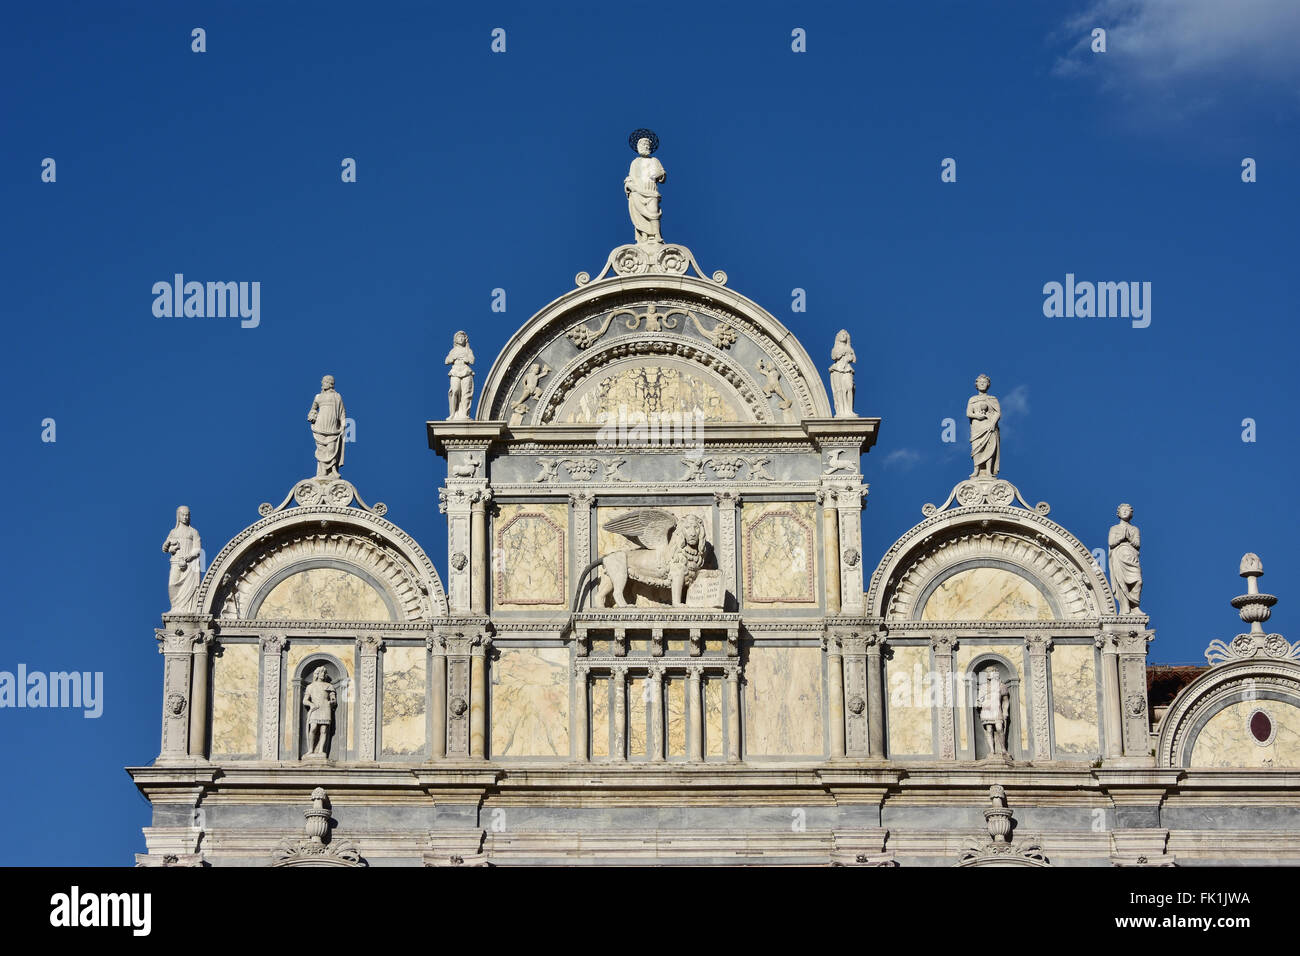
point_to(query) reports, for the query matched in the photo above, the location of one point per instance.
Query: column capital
(273, 643)
(370, 644)
(1038, 643)
(944, 644)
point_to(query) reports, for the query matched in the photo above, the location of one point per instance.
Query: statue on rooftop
(641, 186)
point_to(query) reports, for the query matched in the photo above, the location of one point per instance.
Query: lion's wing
(645, 527)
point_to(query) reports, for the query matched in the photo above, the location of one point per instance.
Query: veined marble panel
(1226, 740)
(530, 702)
(778, 553)
(713, 716)
(405, 724)
(600, 726)
(235, 690)
(529, 555)
(675, 714)
(323, 594)
(910, 726)
(1074, 699)
(295, 655)
(638, 691)
(986, 594)
(783, 701)
(1015, 655)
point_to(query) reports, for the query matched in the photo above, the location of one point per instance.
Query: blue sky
(817, 170)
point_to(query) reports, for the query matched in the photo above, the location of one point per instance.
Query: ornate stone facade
(656, 642)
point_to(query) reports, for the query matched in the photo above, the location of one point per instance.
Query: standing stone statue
(461, 392)
(1125, 571)
(641, 186)
(320, 699)
(183, 582)
(842, 359)
(984, 413)
(994, 703)
(328, 421)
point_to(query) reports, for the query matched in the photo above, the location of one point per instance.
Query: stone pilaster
(370, 646)
(455, 501)
(694, 714)
(1132, 666)
(728, 553)
(458, 694)
(479, 550)
(437, 646)
(655, 683)
(944, 645)
(732, 677)
(580, 504)
(1039, 645)
(835, 694)
(830, 548)
(175, 643)
(273, 647)
(856, 718)
(200, 677)
(848, 502)
(581, 719)
(875, 643)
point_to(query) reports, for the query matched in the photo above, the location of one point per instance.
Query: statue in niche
(461, 392)
(319, 698)
(184, 547)
(328, 420)
(669, 554)
(641, 187)
(994, 704)
(842, 359)
(984, 413)
(1125, 571)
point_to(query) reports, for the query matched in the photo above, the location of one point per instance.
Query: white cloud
(1016, 401)
(1191, 53)
(903, 458)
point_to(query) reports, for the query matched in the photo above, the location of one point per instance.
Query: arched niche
(969, 700)
(299, 742)
(359, 558)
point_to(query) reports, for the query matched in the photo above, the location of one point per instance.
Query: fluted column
(199, 683)
(694, 715)
(831, 549)
(479, 550)
(437, 646)
(733, 713)
(835, 696)
(1110, 691)
(581, 733)
(478, 695)
(875, 696)
(619, 676)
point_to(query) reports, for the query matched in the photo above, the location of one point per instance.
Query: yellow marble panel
(783, 701)
(778, 553)
(1014, 654)
(675, 714)
(323, 594)
(295, 655)
(910, 726)
(638, 691)
(1226, 740)
(529, 555)
(235, 687)
(713, 716)
(632, 392)
(530, 702)
(600, 727)
(607, 541)
(405, 723)
(1074, 700)
(986, 594)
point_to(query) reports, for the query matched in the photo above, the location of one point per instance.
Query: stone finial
(1255, 608)
(317, 847)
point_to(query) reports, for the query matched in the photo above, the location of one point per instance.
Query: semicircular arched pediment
(717, 348)
(999, 564)
(332, 563)
(1210, 722)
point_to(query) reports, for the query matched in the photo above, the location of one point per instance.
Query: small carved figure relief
(984, 413)
(612, 466)
(1125, 570)
(468, 468)
(642, 189)
(183, 580)
(550, 469)
(835, 462)
(842, 359)
(669, 554)
(772, 383)
(694, 469)
(328, 420)
(994, 704)
(758, 469)
(461, 392)
(536, 372)
(319, 699)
